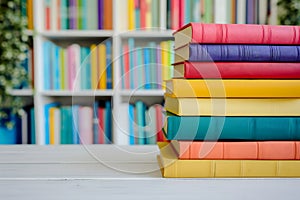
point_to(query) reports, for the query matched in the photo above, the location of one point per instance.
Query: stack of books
(233, 106)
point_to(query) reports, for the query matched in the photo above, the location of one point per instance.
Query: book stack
(233, 106)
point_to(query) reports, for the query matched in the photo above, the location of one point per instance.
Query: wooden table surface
(117, 172)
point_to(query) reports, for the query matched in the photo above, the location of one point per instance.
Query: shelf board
(77, 33)
(152, 92)
(22, 92)
(29, 32)
(78, 93)
(148, 34)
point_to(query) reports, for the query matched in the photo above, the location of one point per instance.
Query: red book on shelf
(237, 34)
(175, 14)
(143, 11)
(266, 150)
(261, 70)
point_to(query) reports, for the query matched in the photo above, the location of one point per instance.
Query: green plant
(289, 12)
(13, 45)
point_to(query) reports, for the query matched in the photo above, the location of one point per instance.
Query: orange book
(265, 150)
(107, 22)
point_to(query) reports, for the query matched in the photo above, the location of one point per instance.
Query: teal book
(66, 120)
(32, 127)
(188, 11)
(75, 124)
(109, 65)
(147, 67)
(64, 17)
(141, 121)
(153, 66)
(85, 68)
(131, 62)
(92, 14)
(155, 13)
(47, 68)
(232, 128)
(131, 124)
(108, 123)
(69, 128)
(140, 68)
(95, 122)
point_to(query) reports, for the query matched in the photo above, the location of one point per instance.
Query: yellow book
(131, 15)
(102, 66)
(164, 62)
(30, 14)
(52, 111)
(172, 167)
(149, 14)
(233, 106)
(94, 71)
(232, 88)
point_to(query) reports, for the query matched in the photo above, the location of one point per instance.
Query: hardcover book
(232, 88)
(212, 128)
(235, 34)
(172, 167)
(263, 150)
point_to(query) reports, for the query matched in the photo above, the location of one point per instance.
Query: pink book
(143, 7)
(175, 14)
(86, 125)
(265, 150)
(125, 76)
(159, 124)
(237, 34)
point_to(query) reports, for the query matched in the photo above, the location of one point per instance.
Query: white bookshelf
(117, 95)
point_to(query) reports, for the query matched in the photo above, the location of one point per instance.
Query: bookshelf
(119, 35)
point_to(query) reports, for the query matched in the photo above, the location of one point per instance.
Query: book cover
(234, 34)
(263, 150)
(233, 106)
(233, 88)
(238, 53)
(231, 128)
(172, 167)
(236, 70)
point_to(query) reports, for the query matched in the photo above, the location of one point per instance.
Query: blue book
(32, 126)
(108, 124)
(234, 52)
(140, 68)
(188, 11)
(141, 121)
(108, 64)
(131, 124)
(147, 68)
(64, 18)
(75, 124)
(46, 115)
(137, 16)
(83, 68)
(153, 66)
(47, 69)
(95, 123)
(232, 128)
(56, 68)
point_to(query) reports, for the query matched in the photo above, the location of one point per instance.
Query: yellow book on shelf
(232, 88)
(131, 15)
(233, 106)
(102, 66)
(164, 62)
(54, 125)
(30, 14)
(149, 14)
(172, 167)
(94, 63)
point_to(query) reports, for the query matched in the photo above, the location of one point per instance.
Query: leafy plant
(13, 46)
(289, 12)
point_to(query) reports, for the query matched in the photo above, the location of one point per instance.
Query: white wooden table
(117, 172)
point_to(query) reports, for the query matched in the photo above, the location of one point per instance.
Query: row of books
(77, 14)
(146, 66)
(78, 124)
(232, 118)
(145, 123)
(77, 67)
(182, 12)
(23, 131)
(27, 12)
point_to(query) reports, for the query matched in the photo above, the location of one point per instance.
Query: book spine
(109, 78)
(147, 68)
(240, 70)
(256, 34)
(108, 22)
(108, 130)
(100, 14)
(72, 14)
(140, 109)
(252, 128)
(267, 150)
(131, 124)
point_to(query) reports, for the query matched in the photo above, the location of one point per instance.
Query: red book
(101, 125)
(266, 150)
(47, 16)
(232, 70)
(175, 14)
(143, 11)
(125, 76)
(237, 34)
(181, 12)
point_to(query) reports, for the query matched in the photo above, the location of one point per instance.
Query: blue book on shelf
(140, 68)
(131, 62)
(188, 11)
(32, 126)
(153, 66)
(108, 124)
(141, 121)
(137, 11)
(75, 124)
(232, 128)
(47, 69)
(131, 123)
(56, 68)
(64, 17)
(109, 79)
(234, 52)
(147, 68)
(46, 115)
(84, 12)
(95, 123)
